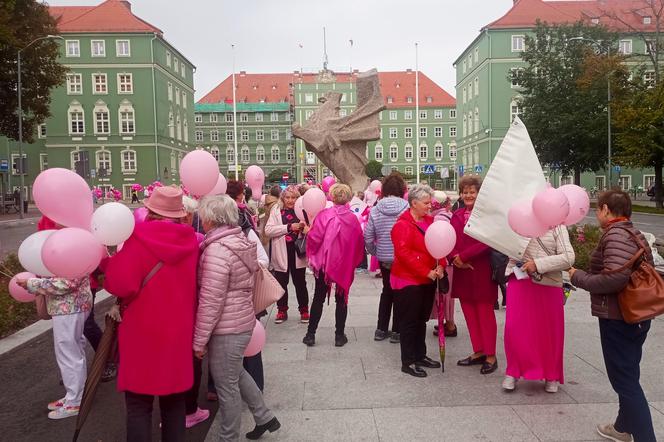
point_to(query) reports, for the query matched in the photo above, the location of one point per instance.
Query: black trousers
(340, 314)
(299, 281)
(191, 396)
(414, 304)
(139, 417)
(386, 305)
(91, 330)
(622, 345)
(253, 365)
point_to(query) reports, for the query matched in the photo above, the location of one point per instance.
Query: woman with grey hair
(413, 279)
(225, 317)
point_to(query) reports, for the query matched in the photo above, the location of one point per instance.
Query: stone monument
(341, 142)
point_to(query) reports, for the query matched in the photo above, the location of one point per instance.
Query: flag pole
(417, 116)
(237, 175)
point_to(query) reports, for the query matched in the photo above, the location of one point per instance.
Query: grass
(13, 315)
(639, 209)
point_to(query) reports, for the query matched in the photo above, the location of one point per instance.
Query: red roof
(275, 88)
(525, 13)
(108, 16)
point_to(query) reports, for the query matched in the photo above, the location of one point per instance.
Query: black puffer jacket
(615, 249)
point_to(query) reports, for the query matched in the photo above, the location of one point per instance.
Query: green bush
(584, 239)
(13, 315)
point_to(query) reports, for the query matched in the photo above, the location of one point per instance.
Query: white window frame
(275, 158)
(274, 135)
(228, 117)
(198, 118)
(214, 151)
(423, 132)
(438, 151)
(464, 96)
(518, 43)
(229, 135)
(647, 180)
(274, 116)
(244, 117)
(99, 162)
(477, 86)
(183, 70)
(43, 162)
(408, 170)
(41, 131)
(198, 136)
(104, 83)
(394, 133)
(424, 151)
(76, 108)
(102, 46)
(308, 98)
(171, 124)
(168, 59)
(408, 115)
(127, 90)
(378, 152)
(602, 178)
(438, 114)
(463, 64)
(184, 100)
(625, 46)
(14, 158)
(176, 65)
(438, 132)
(74, 81)
(258, 117)
(290, 154)
(230, 155)
(170, 91)
(453, 114)
(408, 132)
(118, 45)
(409, 99)
(476, 119)
(244, 135)
(629, 182)
(515, 110)
(185, 129)
(393, 115)
(408, 152)
(476, 55)
(453, 132)
(100, 109)
(260, 154)
(177, 96)
(464, 131)
(260, 135)
(423, 115)
(126, 126)
(394, 152)
(245, 154)
(213, 118)
(70, 45)
(128, 162)
(214, 135)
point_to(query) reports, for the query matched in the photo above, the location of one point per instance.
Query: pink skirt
(534, 331)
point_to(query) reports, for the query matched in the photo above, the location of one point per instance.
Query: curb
(32, 331)
(19, 222)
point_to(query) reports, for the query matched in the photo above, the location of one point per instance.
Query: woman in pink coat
(154, 275)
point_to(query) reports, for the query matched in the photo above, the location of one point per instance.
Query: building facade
(487, 99)
(125, 114)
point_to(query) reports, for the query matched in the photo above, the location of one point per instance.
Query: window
(198, 118)
(424, 151)
(274, 154)
(198, 135)
(244, 118)
(438, 151)
(518, 43)
(214, 151)
(649, 79)
(214, 135)
(170, 93)
(76, 119)
(453, 132)
(423, 132)
(98, 48)
(289, 134)
(409, 99)
(393, 132)
(274, 116)
(408, 115)
(453, 152)
(408, 170)
(394, 152)
(213, 118)
(127, 123)
(393, 115)
(516, 74)
(464, 126)
(229, 117)
(514, 110)
(470, 61)
(229, 135)
(74, 84)
(429, 99)
(647, 20)
(390, 100)
(103, 160)
(259, 116)
(438, 132)
(476, 54)
(453, 114)
(470, 123)
(99, 84)
(43, 162)
(41, 131)
(185, 130)
(182, 69)
(290, 154)
(230, 155)
(651, 46)
(244, 135)
(438, 114)
(464, 66)
(423, 115)
(625, 47)
(274, 134)
(408, 132)
(244, 154)
(168, 59)
(73, 48)
(477, 120)
(171, 124)
(177, 95)
(408, 152)
(308, 98)
(378, 152)
(176, 64)
(260, 154)
(477, 86)
(470, 91)
(184, 100)
(308, 114)
(125, 85)
(342, 112)
(122, 48)
(260, 135)
(464, 95)
(128, 160)
(102, 123)
(343, 98)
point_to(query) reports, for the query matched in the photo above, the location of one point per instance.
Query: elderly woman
(413, 279)
(535, 321)
(335, 247)
(225, 317)
(283, 227)
(378, 243)
(472, 283)
(622, 343)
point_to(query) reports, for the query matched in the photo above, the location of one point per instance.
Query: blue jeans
(622, 345)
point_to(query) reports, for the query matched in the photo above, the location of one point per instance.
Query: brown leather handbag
(643, 297)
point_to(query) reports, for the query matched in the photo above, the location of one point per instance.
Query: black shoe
(380, 335)
(414, 370)
(451, 333)
(258, 431)
(309, 339)
(427, 362)
(472, 361)
(489, 368)
(340, 340)
(395, 338)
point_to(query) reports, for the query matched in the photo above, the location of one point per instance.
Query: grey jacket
(382, 218)
(615, 249)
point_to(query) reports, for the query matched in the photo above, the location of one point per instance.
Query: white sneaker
(56, 404)
(551, 386)
(609, 432)
(509, 383)
(64, 412)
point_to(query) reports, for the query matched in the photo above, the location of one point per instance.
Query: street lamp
(20, 119)
(608, 98)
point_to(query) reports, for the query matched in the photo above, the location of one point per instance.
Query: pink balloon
(257, 341)
(550, 207)
(255, 177)
(440, 239)
(140, 214)
(199, 172)
(522, 220)
(375, 185)
(64, 196)
(328, 182)
(72, 253)
(220, 187)
(18, 292)
(313, 201)
(299, 209)
(256, 192)
(579, 203)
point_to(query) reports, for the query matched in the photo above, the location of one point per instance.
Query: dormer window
(594, 20)
(647, 20)
(390, 100)
(409, 99)
(429, 99)
(274, 87)
(255, 87)
(398, 85)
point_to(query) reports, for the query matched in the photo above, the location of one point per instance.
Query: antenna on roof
(324, 50)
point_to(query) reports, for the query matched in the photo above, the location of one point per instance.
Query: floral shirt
(63, 296)
(288, 217)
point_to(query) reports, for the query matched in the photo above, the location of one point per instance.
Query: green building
(125, 114)
(267, 104)
(487, 101)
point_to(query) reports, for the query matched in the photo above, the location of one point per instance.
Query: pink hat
(167, 202)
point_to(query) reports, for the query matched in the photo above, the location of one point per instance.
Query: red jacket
(157, 328)
(411, 258)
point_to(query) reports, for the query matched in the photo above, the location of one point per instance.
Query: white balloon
(29, 253)
(112, 224)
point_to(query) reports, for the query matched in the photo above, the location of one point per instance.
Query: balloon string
(8, 276)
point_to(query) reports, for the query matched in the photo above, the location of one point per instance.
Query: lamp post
(20, 119)
(237, 174)
(608, 100)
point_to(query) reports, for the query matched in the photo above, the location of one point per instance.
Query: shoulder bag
(267, 289)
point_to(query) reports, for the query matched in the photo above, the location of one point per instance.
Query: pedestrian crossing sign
(429, 169)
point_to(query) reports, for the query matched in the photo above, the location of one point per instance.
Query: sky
(267, 34)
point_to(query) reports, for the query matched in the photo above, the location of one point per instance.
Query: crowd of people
(184, 298)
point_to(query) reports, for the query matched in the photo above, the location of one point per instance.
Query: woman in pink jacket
(225, 318)
(154, 275)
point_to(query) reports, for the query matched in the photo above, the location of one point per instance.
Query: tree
(567, 123)
(276, 175)
(21, 22)
(373, 169)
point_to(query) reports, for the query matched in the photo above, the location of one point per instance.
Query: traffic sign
(429, 169)
(4, 165)
(461, 169)
(478, 168)
(285, 177)
(617, 168)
